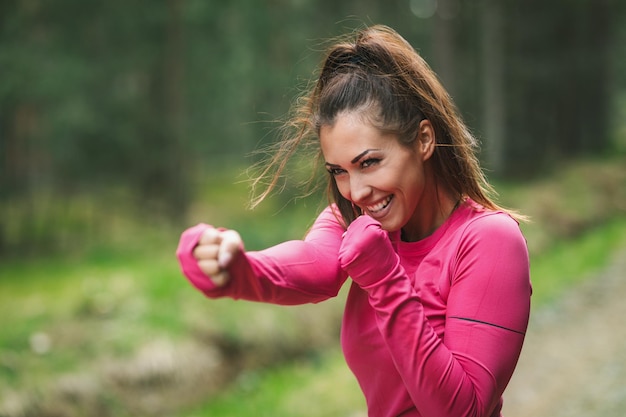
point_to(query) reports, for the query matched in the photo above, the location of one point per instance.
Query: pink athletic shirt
(432, 328)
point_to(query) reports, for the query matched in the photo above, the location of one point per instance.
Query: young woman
(440, 295)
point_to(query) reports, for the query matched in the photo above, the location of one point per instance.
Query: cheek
(410, 182)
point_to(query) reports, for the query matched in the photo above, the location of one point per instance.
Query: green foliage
(568, 262)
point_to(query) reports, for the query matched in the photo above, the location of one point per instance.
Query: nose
(359, 190)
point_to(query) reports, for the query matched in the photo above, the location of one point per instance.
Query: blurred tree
(91, 96)
(494, 101)
(557, 79)
(159, 170)
(445, 43)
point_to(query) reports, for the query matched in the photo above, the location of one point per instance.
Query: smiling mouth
(379, 206)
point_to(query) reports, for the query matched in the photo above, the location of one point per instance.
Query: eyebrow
(361, 155)
(354, 160)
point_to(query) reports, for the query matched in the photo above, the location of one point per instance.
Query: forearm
(293, 272)
(440, 381)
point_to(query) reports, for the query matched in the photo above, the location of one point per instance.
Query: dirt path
(574, 358)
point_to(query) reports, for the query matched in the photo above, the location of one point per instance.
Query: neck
(430, 215)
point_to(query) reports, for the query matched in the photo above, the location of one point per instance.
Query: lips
(380, 205)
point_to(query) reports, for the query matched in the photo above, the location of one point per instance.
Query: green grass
(321, 386)
(80, 309)
(569, 262)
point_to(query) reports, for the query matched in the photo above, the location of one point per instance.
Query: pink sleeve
(293, 272)
(465, 373)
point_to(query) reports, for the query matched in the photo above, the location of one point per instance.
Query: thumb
(229, 246)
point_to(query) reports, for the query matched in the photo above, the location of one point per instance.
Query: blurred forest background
(139, 101)
(123, 122)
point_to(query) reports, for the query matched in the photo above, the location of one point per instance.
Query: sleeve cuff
(189, 266)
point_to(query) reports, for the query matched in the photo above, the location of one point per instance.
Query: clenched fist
(215, 251)
(206, 252)
(366, 253)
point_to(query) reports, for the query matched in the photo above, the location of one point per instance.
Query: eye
(369, 162)
(335, 171)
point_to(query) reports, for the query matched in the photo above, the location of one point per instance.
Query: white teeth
(379, 206)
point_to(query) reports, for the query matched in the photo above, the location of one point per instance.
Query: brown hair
(378, 70)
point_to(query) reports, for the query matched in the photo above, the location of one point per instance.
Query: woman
(440, 295)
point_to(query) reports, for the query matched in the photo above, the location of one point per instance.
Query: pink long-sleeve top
(432, 328)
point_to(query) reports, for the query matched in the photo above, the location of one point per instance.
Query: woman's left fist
(366, 253)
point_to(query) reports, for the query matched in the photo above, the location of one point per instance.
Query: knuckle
(220, 279)
(232, 240)
(204, 252)
(209, 235)
(208, 266)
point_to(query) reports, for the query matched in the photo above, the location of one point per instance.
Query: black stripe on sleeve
(489, 324)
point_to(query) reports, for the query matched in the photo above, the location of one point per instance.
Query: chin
(390, 226)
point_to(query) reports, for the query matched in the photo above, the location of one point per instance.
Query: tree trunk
(494, 108)
(444, 48)
(178, 195)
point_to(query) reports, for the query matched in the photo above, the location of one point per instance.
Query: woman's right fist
(215, 251)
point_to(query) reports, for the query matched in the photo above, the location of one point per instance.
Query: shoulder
(330, 215)
(479, 221)
(487, 232)
(492, 223)
(490, 248)
(328, 222)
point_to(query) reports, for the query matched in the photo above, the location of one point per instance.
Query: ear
(426, 140)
